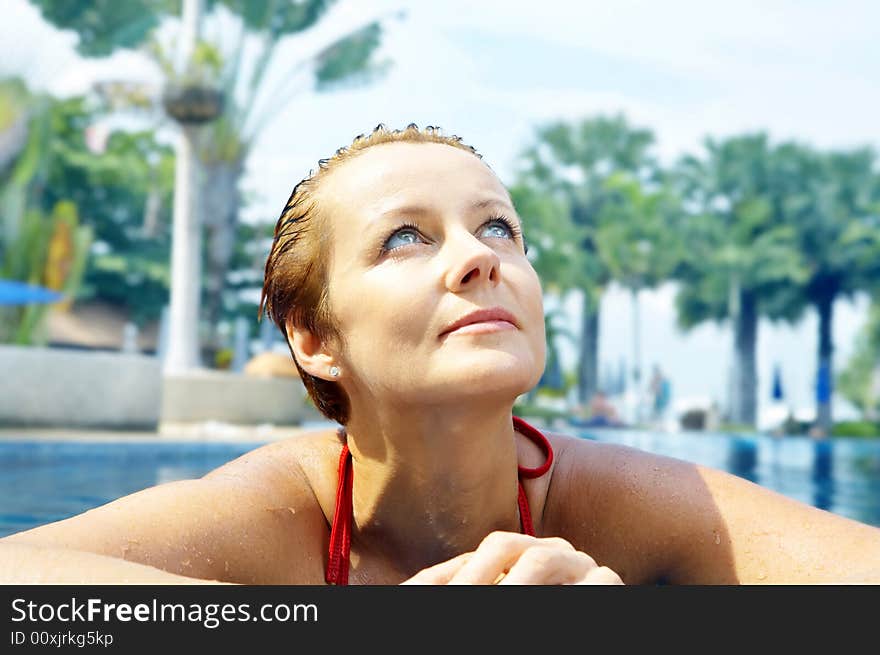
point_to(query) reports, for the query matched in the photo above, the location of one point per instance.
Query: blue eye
(500, 227)
(408, 231)
(408, 234)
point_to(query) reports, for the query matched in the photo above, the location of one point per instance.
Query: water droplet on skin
(762, 575)
(717, 538)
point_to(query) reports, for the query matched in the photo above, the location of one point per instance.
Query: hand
(511, 558)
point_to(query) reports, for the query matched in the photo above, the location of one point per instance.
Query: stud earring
(334, 371)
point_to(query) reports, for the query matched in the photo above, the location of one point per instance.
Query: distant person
(661, 393)
(398, 276)
(602, 412)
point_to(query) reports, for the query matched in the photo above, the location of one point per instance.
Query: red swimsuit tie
(340, 531)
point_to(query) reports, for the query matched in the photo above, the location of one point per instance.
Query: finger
(439, 573)
(492, 558)
(601, 575)
(549, 566)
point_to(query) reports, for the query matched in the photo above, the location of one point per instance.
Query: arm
(26, 564)
(653, 518)
(253, 521)
(776, 540)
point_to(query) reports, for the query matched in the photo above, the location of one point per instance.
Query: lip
(489, 316)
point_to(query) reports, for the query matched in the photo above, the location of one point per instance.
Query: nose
(472, 263)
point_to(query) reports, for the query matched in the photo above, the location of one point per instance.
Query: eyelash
(515, 232)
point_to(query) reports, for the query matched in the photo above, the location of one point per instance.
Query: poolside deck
(202, 431)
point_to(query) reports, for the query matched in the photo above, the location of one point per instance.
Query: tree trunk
(745, 342)
(825, 370)
(222, 201)
(588, 358)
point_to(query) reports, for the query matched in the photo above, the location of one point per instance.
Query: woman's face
(418, 242)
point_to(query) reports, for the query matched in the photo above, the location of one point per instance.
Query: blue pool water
(44, 481)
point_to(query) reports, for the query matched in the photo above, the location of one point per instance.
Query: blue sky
(491, 70)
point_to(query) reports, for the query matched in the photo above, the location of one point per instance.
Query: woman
(400, 279)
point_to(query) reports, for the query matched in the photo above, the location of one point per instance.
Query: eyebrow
(420, 210)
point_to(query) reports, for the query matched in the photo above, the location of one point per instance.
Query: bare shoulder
(620, 505)
(655, 518)
(287, 465)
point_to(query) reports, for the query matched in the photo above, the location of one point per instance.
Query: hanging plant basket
(192, 104)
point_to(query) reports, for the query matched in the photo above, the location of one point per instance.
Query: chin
(493, 372)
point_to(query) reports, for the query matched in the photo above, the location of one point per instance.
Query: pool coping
(209, 431)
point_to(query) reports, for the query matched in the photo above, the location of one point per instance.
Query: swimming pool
(43, 481)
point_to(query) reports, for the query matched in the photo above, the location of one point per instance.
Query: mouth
(482, 327)
(482, 321)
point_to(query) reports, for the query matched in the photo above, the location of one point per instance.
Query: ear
(311, 352)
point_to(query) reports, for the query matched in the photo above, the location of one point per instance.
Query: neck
(432, 482)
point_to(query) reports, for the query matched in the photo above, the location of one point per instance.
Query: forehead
(425, 173)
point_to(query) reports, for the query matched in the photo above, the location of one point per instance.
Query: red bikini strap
(340, 532)
(525, 514)
(538, 438)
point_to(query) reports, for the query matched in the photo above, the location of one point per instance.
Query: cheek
(381, 319)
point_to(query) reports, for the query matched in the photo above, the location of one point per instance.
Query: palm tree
(742, 260)
(253, 100)
(571, 164)
(248, 67)
(833, 204)
(639, 242)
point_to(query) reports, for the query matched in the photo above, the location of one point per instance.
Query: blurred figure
(601, 412)
(660, 390)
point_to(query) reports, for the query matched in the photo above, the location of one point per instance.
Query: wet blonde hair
(295, 279)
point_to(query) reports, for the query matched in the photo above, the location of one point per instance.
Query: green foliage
(108, 190)
(550, 236)
(23, 161)
(856, 381)
(275, 18)
(864, 429)
(836, 218)
(563, 189)
(246, 266)
(637, 236)
(104, 26)
(29, 259)
(575, 192)
(14, 97)
(112, 188)
(249, 105)
(532, 410)
(40, 244)
(736, 233)
(736, 428)
(348, 61)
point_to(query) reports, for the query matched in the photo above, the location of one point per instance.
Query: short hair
(295, 279)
